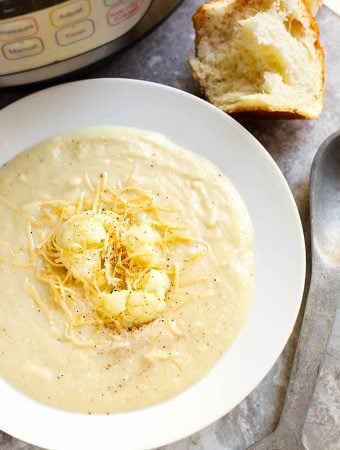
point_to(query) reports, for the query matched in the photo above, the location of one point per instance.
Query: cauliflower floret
(149, 255)
(142, 307)
(138, 235)
(132, 308)
(74, 237)
(81, 242)
(87, 265)
(156, 282)
(82, 266)
(142, 241)
(76, 234)
(107, 218)
(114, 303)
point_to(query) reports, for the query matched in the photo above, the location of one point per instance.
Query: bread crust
(313, 6)
(199, 19)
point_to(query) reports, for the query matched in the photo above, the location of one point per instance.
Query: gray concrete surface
(161, 57)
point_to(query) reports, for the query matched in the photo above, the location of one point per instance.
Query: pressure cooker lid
(13, 8)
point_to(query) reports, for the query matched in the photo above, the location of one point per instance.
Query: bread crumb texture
(261, 57)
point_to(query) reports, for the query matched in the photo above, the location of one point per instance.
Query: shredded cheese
(20, 211)
(5, 336)
(87, 181)
(10, 247)
(39, 302)
(105, 260)
(172, 325)
(23, 264)
(30, 241)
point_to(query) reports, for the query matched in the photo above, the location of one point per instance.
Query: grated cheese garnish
(104, 261)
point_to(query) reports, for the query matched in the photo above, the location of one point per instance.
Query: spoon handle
(311, 348)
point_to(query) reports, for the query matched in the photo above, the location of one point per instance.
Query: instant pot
(44, 39)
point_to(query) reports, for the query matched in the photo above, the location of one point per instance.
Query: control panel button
(75, 32)
(123, 11)
(18, 29)
(23, 49)
(64, 15)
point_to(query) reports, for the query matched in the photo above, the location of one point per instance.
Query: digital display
(14, 8)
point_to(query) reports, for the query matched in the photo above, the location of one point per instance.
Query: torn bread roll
(314, 5)
(259, 57)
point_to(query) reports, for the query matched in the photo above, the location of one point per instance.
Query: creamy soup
(126, 269)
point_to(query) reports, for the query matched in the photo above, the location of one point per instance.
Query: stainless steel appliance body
(44, 39)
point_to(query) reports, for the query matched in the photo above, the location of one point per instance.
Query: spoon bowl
(325, 202)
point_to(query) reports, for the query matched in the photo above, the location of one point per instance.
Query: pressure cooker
(44, 39)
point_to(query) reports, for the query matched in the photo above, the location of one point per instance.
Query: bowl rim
(158, 93)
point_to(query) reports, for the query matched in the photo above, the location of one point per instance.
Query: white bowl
(279, 254)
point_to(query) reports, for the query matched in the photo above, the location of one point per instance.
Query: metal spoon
(321, 302)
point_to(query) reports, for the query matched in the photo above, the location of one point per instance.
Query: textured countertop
(161, 57)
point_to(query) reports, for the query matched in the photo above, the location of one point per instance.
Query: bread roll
(314, 5)
(259, 57)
